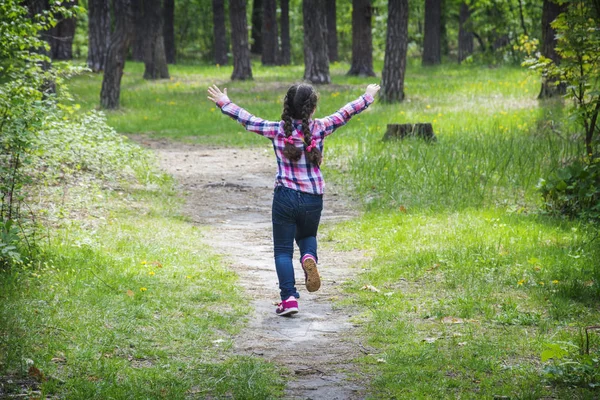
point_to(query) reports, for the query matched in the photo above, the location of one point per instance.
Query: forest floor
(229, 191)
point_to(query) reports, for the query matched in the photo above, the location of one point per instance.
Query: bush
(574, 190)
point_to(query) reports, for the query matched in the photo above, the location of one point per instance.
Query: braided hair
(299, 103)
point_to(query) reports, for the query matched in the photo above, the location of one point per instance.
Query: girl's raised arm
(343, 115)
(250, 122)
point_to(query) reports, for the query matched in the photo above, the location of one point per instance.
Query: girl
(298, 197)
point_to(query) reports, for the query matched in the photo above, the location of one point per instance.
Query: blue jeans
(295, 217)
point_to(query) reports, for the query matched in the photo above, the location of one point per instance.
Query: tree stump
(400, 131)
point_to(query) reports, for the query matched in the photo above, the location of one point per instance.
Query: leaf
(371, 288)
(36, 373)
(130, 293)
(452, 320)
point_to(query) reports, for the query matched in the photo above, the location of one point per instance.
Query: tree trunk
(465, 35)
(394, 66)
(332, 40)
(550, 11)
(137, 40)
(257, 16)
(150, 27)
(432, 37)
(316, 60)
(270, 39)
(169, 30)
(242, 69)
(220, 32)
(61, 40)
(286, 45)
(115, 57)
(362, 40)
(98, 33)
(38, 7)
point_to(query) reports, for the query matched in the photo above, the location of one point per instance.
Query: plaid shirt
(299, 175)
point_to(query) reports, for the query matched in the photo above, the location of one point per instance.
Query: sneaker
(313, 280)
(287, 307)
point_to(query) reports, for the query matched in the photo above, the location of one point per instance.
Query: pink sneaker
(313, 280)
(287, 307)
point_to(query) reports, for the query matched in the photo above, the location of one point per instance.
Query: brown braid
(290, 151)
(300, 102)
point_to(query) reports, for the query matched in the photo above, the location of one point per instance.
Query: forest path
(229, 191)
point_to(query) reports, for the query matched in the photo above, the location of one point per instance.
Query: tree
(257, 15)
(433, 30)
(149, 15)
(362, 40)
(332, 40)
(169, 30)
(551, 10)
(396, 45)
(117, 52)
(61, 36)
(316, 61)
(270, 38)
(286, 45)
(465, 35)
(98, 33)
(219, 32)
(242, 69)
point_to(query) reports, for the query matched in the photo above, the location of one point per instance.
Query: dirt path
(230, 191)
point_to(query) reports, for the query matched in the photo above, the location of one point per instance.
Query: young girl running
(298, 197)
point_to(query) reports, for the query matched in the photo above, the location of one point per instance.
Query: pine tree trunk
(270, 39)
(61, 41)
(242, 68)
(98, 33)
(150, 27)
(432, 38)
(396, 44)
(220, 32)
(115, 57)
(550, 11)
(362, 40)
(465, 35)
(286, 45)
(332, 40)
(257, 16)
(169, 30)
(316, 60)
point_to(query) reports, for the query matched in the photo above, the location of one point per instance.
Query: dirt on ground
(229, 192)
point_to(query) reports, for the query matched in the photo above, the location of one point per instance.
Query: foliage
(575, 189)
(567, 364)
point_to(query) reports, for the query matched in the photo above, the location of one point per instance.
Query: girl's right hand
(372, 89)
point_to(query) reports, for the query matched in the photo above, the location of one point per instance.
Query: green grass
(136, 307)
(475, 281)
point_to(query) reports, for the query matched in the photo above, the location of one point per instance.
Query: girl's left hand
(215, 94)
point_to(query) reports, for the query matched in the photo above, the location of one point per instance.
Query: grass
(134, 307)
(474, 281)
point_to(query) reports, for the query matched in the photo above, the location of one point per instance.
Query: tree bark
(137, 40)
(169, 30)
(115, 57)
(257, 16)
(270, 38)
(316, 60)
(61, 39)
(242, 68)
(219, 32)
(432, 36)
(98, 33)
(550, 11)
(150, 27)
(362, 39)
(286, 45)
(37, 7)
(465, 35)
(332, 40)
(394, 66)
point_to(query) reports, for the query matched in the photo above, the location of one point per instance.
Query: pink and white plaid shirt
(298, 175)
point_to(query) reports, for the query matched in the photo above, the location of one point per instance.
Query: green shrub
(574, 190)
